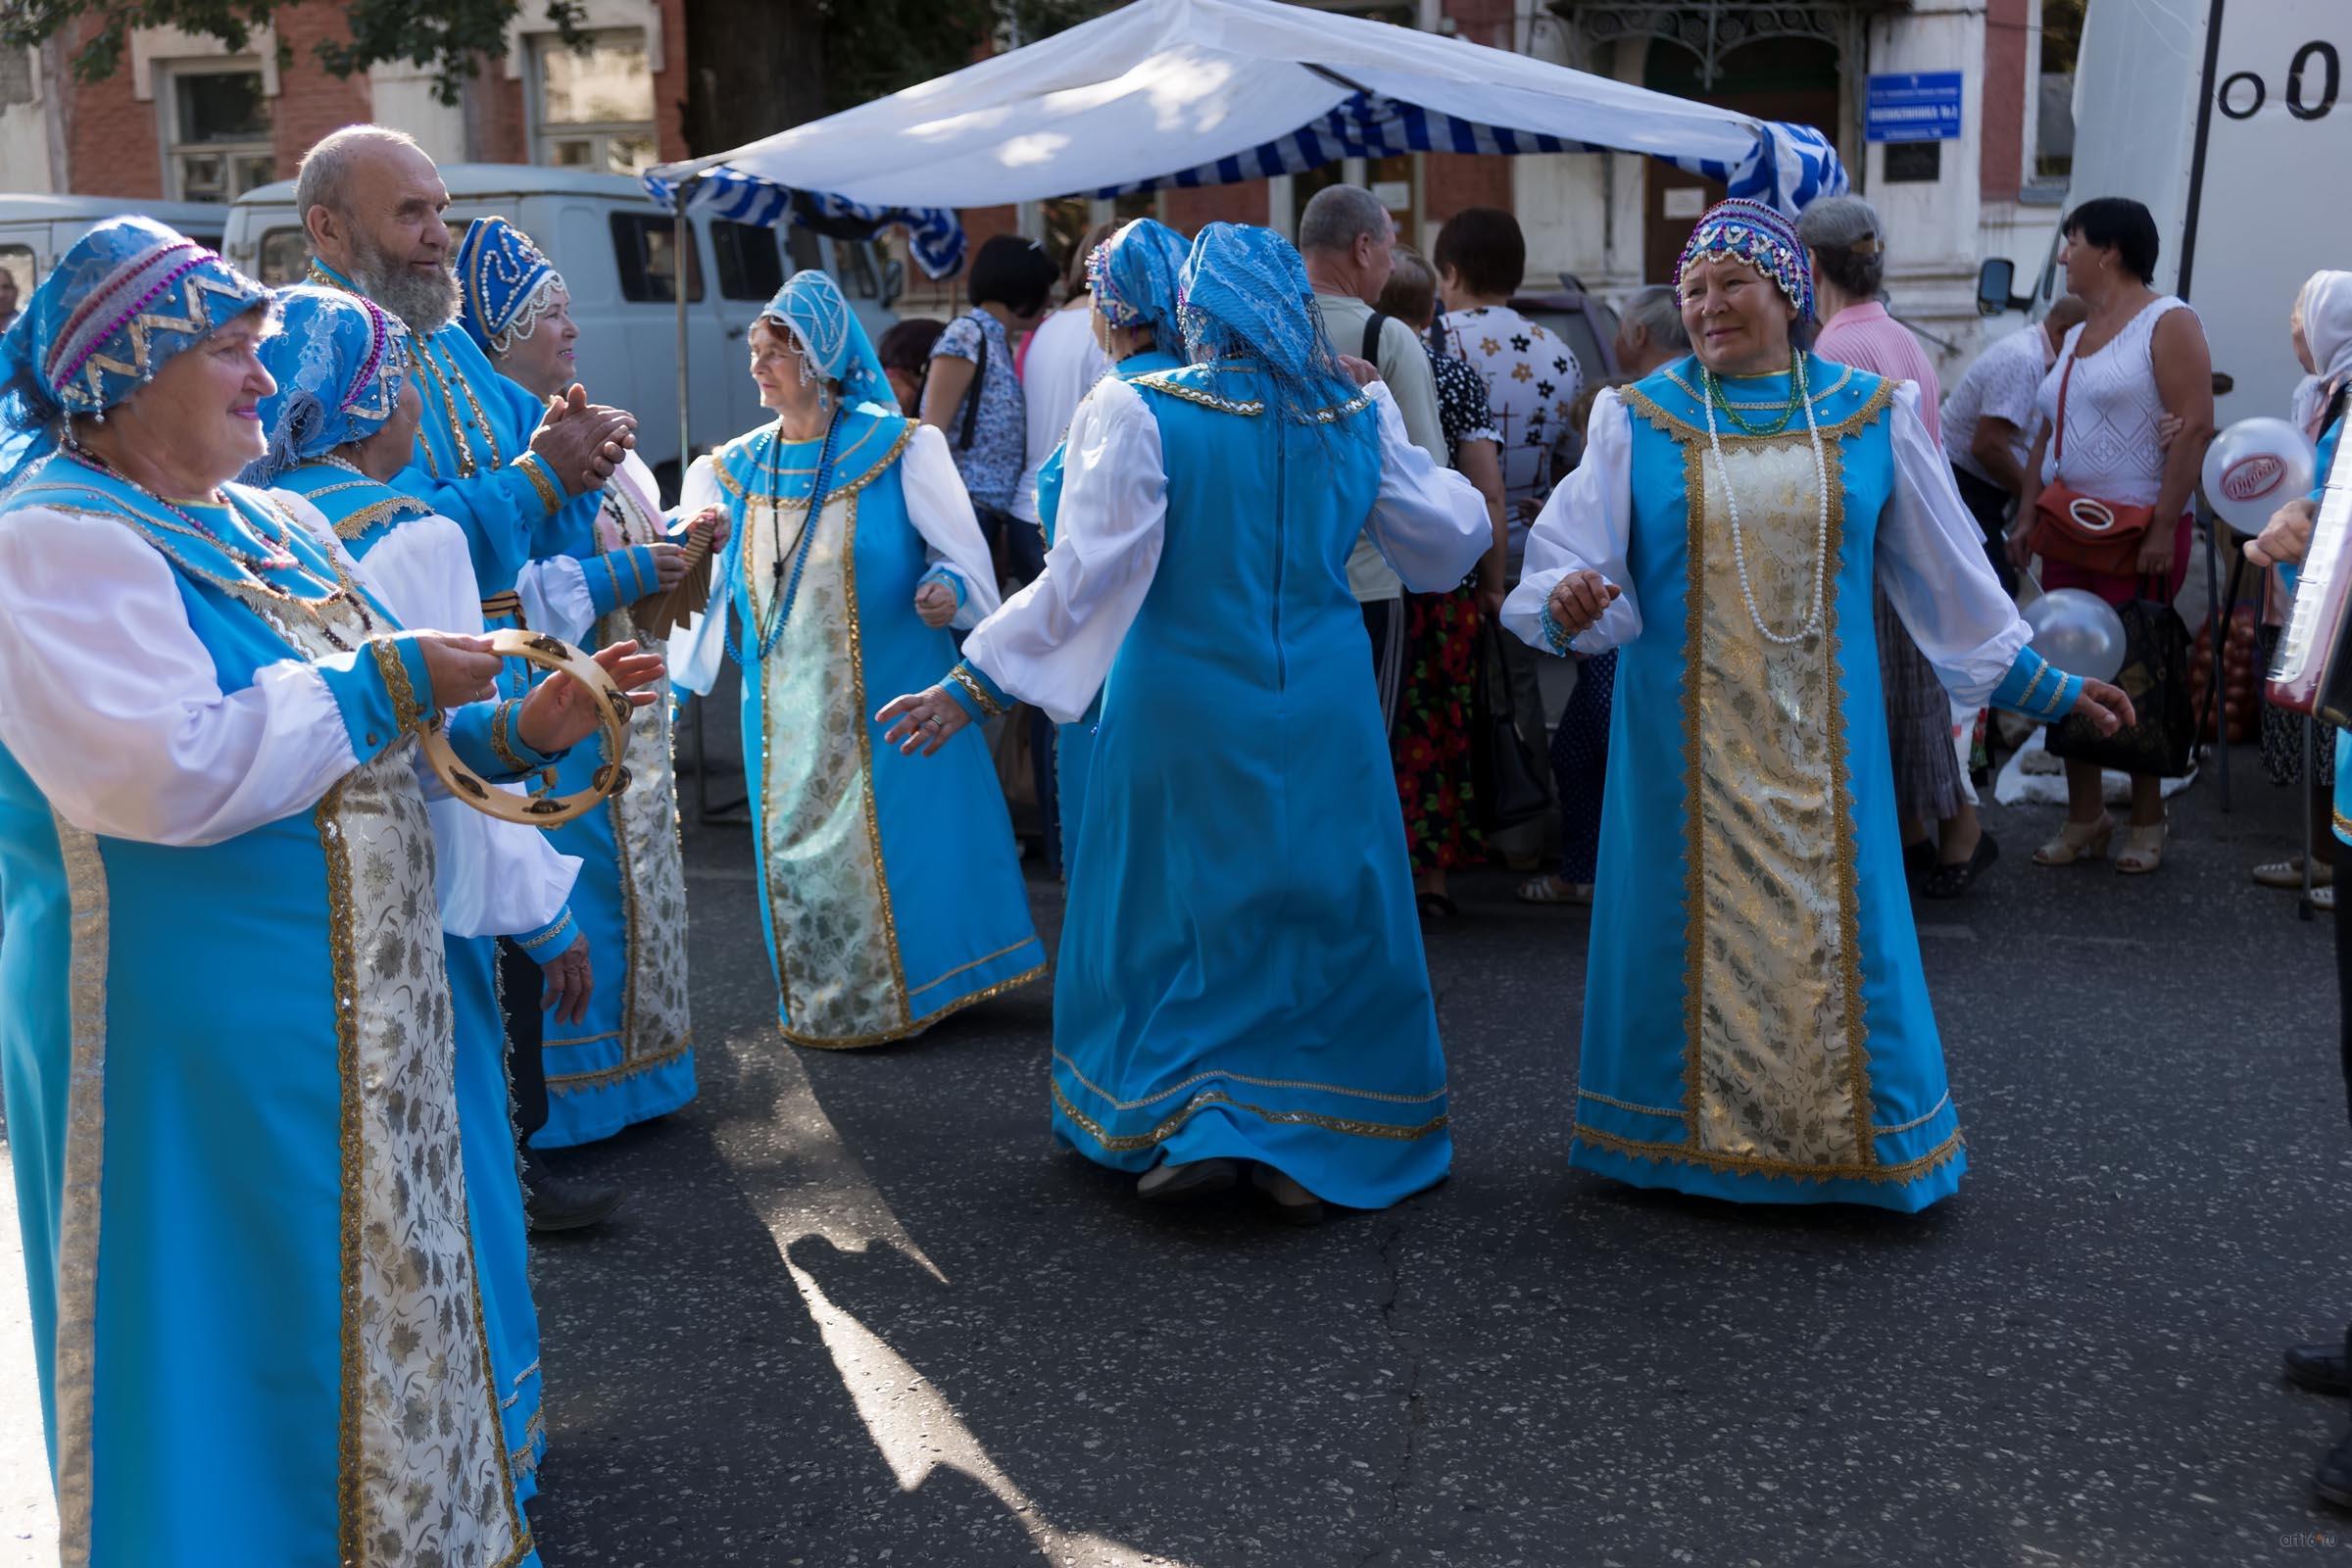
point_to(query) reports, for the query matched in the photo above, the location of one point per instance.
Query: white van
(35, 231)
(614, 248)
(2235, 140)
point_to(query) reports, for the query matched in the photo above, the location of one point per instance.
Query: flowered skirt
(1430, 741)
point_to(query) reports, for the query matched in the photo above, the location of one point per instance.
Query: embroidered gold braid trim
(1762, 1165)
(963, 677)
(1128, 1143)
(367, 518)
(501, 744)
(351, 1532)
(1841, 797)
(857, 704)
(534, 468)
(408, 713)
(78, 1205)
(1685, 432)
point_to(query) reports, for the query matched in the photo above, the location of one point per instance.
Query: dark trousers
(519, 992)
(1385, 624)
(1990, 505)
(1579, 765)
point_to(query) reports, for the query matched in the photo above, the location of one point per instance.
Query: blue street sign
(1923, 107)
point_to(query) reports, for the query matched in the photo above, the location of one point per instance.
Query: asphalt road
(860, 1311)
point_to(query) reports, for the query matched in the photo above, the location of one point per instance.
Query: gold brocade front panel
(1773, 1067)
(837, 956)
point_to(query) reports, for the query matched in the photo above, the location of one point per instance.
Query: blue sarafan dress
(892, 891)
(631, 1056)
(1756, 1024)
(1241, 970)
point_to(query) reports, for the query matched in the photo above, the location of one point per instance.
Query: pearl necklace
(1731, 500)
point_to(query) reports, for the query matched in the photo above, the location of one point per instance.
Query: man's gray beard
(425, 303)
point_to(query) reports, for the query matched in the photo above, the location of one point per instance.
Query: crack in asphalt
(1391, 1247)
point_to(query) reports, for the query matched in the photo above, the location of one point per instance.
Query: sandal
(2078, 841)
(1950, 881)
(2289, 873)
(1549, 888)
(1435, 906)
(2143, 848)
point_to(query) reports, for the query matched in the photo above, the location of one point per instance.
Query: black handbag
(1511, 781)
(2155, 676)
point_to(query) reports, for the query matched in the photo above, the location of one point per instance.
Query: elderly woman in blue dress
(629, 1056)
(341, 427)
(1132, 276)
(1243, 987)
(893, 894)
(1757, 1026)
(228, 1053)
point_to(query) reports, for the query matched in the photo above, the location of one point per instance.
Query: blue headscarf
(830, 335)
(339, 361)
(128, 296)
(505, 284)
(1133, 275)
(1244, 294)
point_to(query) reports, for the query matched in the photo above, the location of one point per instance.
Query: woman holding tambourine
(229, 1055)
(2108, 503)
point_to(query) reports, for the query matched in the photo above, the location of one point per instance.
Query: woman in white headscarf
(2321, 327)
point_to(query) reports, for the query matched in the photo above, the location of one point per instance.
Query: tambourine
(543, 807)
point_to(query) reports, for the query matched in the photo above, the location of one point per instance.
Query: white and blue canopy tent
(1184, 93)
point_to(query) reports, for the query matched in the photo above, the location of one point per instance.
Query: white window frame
(167, 102)
(601, 135)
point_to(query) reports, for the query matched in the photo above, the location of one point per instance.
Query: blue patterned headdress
(1751, 232)
(339, 361)
(128, 296)
(811, 304)
(1133, 275)
(505, 284)
(1244, 294)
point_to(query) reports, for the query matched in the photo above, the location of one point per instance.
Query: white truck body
(35, 231)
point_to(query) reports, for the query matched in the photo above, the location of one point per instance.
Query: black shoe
(1950, 881)
(552, 1204)
(2320, 1368)
(1195, 1178)
(1919, 861)
(2332, 1482)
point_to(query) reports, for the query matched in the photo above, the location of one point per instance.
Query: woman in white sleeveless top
(2140, 359)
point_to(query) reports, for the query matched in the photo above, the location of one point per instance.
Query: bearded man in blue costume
(340, 426)
(501, 465)
(227, 1054)
(630, 1056)
(1132, 276)
(1241, 979)
(1757, 1026)
(892, 895)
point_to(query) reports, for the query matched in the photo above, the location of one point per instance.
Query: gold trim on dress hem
(963, 968)
(605, 1077)
(1116, 1104)
(1620, 1104)
(1764, 1165)
(1129, 1143)
(917, 1026)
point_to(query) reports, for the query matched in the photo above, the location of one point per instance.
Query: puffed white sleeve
(1586, 525)
(1052, 644)
(696, 648)
(491, 879)
(1429, 522)
(940, 511)
(1931, 563)
(554, 590)
(111, 703)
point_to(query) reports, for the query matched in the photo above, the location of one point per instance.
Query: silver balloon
(2254, 468)
(2079, 632)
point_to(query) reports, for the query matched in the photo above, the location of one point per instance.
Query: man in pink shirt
(1928, 738)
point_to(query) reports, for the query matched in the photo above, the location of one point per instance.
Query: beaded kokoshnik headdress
(1751, 232)
(505, 284)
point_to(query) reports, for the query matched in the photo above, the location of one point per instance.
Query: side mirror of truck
(1996, 276)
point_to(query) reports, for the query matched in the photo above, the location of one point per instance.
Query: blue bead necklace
(787, 589)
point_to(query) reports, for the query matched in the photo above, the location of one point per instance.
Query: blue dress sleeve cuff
(621, 577)
(551, 940)
(383, 691)
(2038, 689)
(977, 694)
(946, 575)
(489, 741)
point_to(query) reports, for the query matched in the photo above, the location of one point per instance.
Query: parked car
(617, 253)
(35, 231)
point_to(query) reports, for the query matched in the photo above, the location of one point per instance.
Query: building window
(2052, 160)
(594, 105)
(216, 122)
